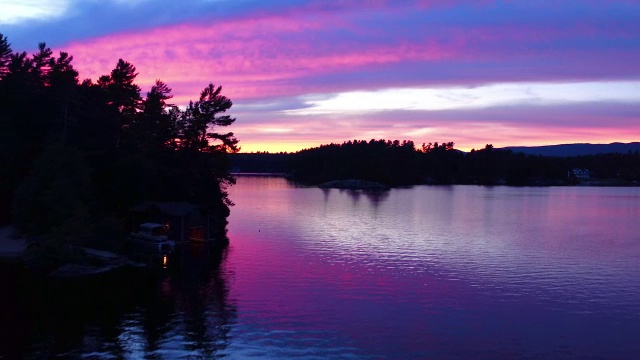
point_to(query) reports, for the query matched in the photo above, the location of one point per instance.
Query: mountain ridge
(576, 149)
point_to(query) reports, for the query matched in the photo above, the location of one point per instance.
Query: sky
(307, 72)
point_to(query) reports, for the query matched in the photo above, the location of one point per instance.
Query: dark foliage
(397, 163)
(260, 162)
(73, 154)
(389, 162)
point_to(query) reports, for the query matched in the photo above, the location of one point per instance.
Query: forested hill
(563, 150)
(75, 155)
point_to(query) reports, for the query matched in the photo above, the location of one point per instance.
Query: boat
(152, 236)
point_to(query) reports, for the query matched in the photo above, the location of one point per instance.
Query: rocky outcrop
(12, 246)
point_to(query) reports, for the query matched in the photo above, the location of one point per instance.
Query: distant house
(579, 173)
(185, 221)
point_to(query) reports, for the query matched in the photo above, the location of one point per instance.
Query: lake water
(422, 272)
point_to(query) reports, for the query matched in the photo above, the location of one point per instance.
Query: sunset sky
(306, 72)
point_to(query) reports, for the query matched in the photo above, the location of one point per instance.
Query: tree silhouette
(41, 63)
(5, 55)
(63, 83)
(125, 94)
(156, 127)
(202, 116)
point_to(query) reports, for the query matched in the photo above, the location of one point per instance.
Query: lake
(421, 272)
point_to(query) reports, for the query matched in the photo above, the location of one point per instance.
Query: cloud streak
(504, 94)
(14, 12)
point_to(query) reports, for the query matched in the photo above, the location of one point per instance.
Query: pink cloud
(319, 48)
(250, 57)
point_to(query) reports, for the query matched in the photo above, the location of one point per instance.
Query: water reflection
(439, 272)
(203, 298)
(176, 310)
(375, 197)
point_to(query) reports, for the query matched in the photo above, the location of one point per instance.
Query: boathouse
(184, 221)
(579, 173)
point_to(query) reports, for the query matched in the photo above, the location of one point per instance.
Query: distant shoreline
(587, 183)
(258, 174)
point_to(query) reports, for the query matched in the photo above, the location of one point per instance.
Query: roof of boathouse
(180, 209)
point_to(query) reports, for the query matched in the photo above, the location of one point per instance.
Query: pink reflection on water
(435, 270)
(297, 291)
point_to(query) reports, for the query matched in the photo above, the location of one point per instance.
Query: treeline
(75, 155)
(387, 162)
(260, 162)
(397, 163)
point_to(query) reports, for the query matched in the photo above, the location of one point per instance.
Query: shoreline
(357, 184)
(14, 248)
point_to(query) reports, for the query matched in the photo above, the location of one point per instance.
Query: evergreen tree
(5, 55)
(202, 116)
(63, 84)
(42, 63)
(155, 128)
